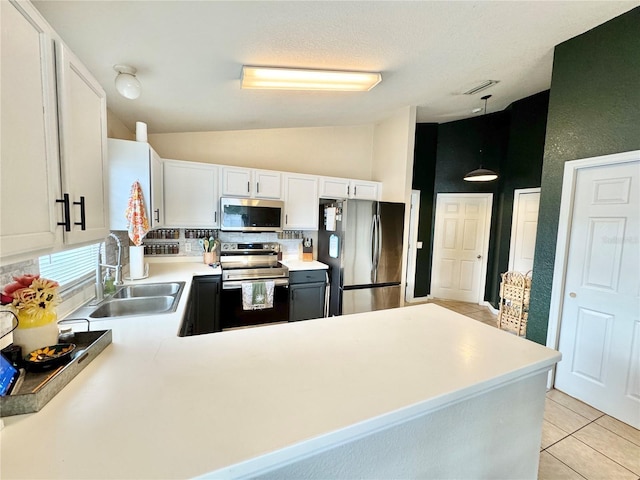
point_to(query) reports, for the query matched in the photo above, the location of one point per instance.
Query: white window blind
(71, 266)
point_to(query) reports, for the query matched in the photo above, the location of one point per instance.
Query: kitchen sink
(132, 300)
(149, 290)
(121, 307)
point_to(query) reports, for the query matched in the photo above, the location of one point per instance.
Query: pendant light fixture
(127, 84)
(482, 174)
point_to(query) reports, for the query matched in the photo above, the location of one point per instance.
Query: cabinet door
(334, 187)
(306, 301)
(82, 111)
(301, 202)
(267, 184)
(236, 182)
(207, 305)
(190, 194)
(30, 179)
(157, 190)
(364, 190)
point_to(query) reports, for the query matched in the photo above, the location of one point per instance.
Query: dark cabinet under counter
(203, 309)
(307, 294)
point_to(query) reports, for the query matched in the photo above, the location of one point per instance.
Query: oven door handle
(232, 285)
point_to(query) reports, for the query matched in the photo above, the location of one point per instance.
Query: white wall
(392, 163)
(333, 151)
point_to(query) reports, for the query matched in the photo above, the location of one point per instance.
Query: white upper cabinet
(364, 190)
(131, 161)
(300, 201)
(247, 182)
(82, 110)
(191, 196)
(30, 180)
(53, 153)
(333, 187)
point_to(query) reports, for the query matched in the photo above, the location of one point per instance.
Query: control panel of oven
(250, 247)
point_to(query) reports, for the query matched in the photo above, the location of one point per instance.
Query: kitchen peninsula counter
(328, 397)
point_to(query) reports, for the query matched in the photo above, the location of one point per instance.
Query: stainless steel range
(248, 263)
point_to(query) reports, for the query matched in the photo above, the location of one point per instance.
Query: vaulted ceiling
(189, 55)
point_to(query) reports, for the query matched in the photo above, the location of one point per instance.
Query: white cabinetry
(332, 187)
(130, 161)
(247, 182)
(300, 201)
(82, 107)
(191, 194)
(53, 157)
(30, 178)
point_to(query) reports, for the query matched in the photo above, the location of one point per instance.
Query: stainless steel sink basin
(149, 290)
(135, 306)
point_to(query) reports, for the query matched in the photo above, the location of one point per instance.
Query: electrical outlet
(187, 247)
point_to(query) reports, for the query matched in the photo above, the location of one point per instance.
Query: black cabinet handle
(354, 191)
(257, 187)
(348, 188)
(66, 216)
(157, 212)
(248, 187)
(82, 222)
(215, 216)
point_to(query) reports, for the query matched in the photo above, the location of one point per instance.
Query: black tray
(39, 388)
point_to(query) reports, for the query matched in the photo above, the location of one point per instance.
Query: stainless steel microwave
(251, 215)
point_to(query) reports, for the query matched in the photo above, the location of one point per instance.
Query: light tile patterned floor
(578, 441)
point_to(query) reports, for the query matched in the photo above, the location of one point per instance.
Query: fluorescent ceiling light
(276, 78)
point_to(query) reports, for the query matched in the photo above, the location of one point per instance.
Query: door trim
(412, 249)
(567, 201)
(485, 240)
(514, 219)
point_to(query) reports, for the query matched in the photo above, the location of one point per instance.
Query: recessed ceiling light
(277, 78)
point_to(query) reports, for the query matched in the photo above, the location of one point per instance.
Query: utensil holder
(209, 257)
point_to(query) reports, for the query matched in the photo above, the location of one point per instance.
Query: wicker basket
(515, 291)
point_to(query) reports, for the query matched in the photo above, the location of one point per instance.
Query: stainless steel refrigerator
(361, 241)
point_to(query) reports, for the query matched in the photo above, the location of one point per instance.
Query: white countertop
(155, 405)
(295, 265)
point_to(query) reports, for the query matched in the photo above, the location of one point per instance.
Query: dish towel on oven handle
(257, 295)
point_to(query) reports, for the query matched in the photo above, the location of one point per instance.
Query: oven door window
(232, 314)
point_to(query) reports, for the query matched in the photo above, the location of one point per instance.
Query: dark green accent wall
(424, 168)
(459, 146)
(594, 109)
(512, 143)
(522, 168)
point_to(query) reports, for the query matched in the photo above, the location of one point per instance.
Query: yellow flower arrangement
(32, 296)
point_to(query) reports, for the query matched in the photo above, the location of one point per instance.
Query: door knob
(479, 257)
(572, 294)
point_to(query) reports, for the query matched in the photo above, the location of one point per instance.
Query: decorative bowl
(48, 357)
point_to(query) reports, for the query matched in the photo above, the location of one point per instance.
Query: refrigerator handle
(374, 239)
(379, 230)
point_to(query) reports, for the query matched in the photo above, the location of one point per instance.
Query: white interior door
(461, 240)
(600, 320)
(524, 225)
(412, 250)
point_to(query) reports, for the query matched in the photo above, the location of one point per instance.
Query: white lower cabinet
(131, 161)
(300, 202)
(53, 154)
(191, 194)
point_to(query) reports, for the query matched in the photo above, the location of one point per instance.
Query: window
(70, 267)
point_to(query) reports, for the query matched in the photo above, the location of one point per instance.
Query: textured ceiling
(189, 55)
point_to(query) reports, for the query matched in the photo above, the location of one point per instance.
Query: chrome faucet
(117, 268)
